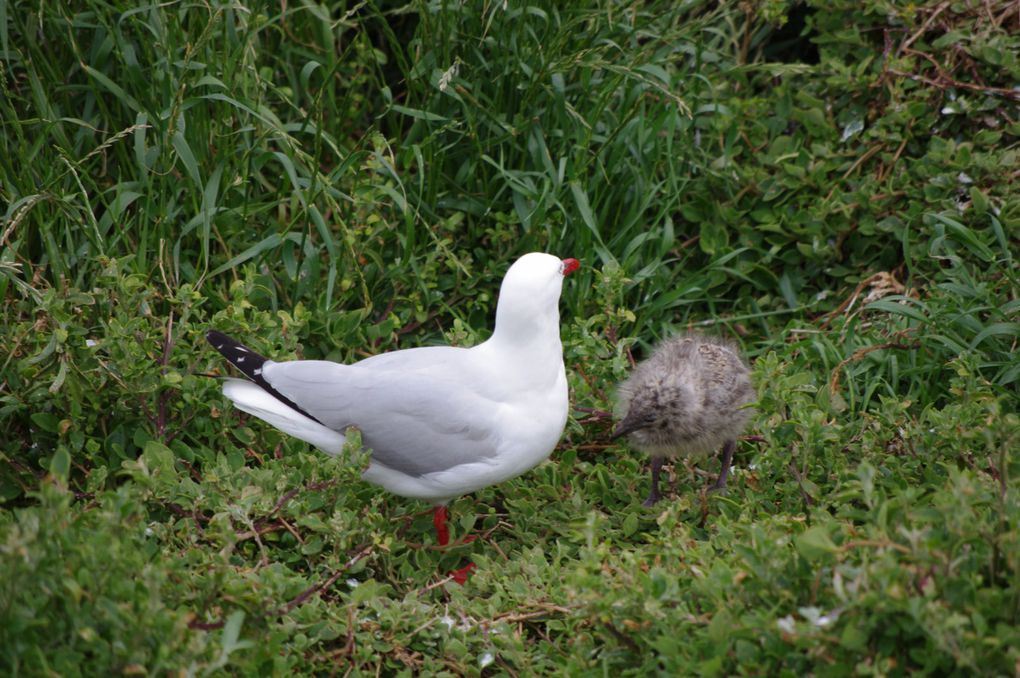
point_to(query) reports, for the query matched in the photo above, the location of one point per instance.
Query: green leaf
(904, 307)
(979, 201)
(1003, 329)
(288, 167)
(115, 89)
(231, 632)
(46, 421)
(714, 238)
(60, 464)
(264, 245)
(587, 216)
(815, 543)
(418, 114)
(159, 458)
(967, 236)
(180, 145)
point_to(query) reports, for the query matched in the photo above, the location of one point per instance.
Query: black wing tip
(225, 343)
(239, 355)
(218, 339)
(250, 364)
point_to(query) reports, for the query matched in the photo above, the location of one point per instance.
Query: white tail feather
(254, 400)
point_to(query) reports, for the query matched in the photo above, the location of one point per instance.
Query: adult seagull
(440, 421)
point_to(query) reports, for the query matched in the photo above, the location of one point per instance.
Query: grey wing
(422, 359)
(413, 423)
(729, 384)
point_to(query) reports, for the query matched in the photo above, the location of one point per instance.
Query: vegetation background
(831, 183)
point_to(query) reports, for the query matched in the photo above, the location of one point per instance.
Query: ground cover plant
(832, 185)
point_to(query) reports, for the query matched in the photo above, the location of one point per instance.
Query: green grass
(834, 186)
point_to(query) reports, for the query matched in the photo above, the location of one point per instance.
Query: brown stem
(162, 400)
(860, 353)
(362, 551)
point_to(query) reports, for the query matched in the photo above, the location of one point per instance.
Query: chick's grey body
(688, 399)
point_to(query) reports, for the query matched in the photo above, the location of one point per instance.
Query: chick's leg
(727, 459)
(654, 495)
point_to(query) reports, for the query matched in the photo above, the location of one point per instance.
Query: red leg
(439, 520)
(460, 576)
(439, 516)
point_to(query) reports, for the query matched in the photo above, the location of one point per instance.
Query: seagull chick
(440, 421)
(688, 399)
